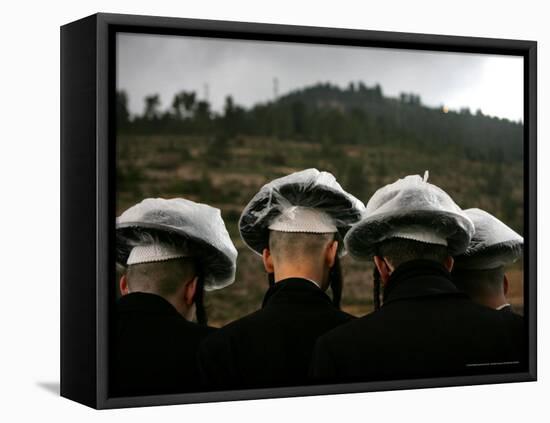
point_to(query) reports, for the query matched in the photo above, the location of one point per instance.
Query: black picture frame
(88, 195)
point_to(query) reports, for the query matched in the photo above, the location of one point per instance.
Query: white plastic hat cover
(307, 189)
(195, 227)
(410, 208)
(494, 244)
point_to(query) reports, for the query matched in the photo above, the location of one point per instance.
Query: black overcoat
(154, 349)
(425, 328)
(272, 346)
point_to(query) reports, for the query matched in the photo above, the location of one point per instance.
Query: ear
(268, 261)
(505, 285)
(123, 285)
(330, 253)
(383, 268)
(449, 263)
(189, 291)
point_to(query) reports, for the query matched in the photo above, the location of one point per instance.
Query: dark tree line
(326, 113)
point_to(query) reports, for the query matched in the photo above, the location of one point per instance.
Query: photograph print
(300, 214)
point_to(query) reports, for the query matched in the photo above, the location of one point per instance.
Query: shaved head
(298, 246)
(480, 283)
(164, 278)
(302, 255)
(400, 250)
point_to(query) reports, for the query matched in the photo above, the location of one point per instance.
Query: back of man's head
(401, 250)
(162, 264)
(393, 252)
(481, 285)
(299, 254)
(164, 278)
(298, 247)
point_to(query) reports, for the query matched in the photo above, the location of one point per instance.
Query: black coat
(426, 328)
(154, 348)
(272, 346)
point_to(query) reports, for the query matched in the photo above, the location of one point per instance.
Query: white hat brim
(363, 238)
(219, 269)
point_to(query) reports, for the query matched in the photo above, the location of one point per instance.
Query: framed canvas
(212, 112)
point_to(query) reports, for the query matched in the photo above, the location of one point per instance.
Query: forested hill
(326, 113)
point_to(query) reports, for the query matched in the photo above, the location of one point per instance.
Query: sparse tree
(229, 106)
(378, 92)
(189, 100)
(122, 113)
(184, 104)
(202, 110)
(152, 104)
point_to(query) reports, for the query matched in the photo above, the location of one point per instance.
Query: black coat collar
(419, 278)
(507, 309)
(294, 290)
(146, 303)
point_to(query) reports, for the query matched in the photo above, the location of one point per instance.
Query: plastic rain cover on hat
(288, 197)
(414, 209)
(199, 229)
(494, 244)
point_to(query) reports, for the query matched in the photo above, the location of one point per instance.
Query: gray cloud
(245, 69)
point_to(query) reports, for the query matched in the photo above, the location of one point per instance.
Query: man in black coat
(426, 327)
(480, 271)
(172, 251)
(155, 347)
(273, 346)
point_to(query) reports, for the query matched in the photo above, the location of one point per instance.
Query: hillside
(325, 113)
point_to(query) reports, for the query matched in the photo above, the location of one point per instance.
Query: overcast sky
(150, 64)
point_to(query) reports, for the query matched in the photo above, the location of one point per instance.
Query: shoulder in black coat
(426, 328)
(154, 348)
(273, 346)
(509, 309)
